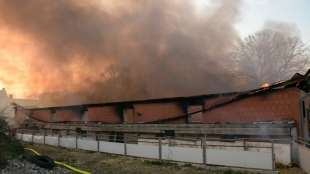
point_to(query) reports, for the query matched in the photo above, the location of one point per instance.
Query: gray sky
(254, 13)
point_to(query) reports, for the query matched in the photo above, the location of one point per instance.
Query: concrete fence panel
(146, 151)
(109, 147)
(183, 154)
(304, 158)
(27, 137)
(51, 140)
(19, 136)
(39, 139)
(283, 153)
(246, 159)
(87, 144)
(67, 142)
(222, 157)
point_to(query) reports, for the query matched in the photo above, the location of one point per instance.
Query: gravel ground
(20, 166)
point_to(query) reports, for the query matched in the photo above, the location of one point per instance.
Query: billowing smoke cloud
(73, 51)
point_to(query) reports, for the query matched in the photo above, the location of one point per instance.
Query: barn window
(168, 133)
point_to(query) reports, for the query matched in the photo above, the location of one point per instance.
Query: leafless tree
(270, 56)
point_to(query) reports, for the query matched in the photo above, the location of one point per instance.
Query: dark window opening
(168, 133)
(116, 137)
(81, 132)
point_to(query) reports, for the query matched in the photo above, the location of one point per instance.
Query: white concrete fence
(304, 154)
(161, 150)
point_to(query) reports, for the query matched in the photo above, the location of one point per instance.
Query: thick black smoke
(89, 51)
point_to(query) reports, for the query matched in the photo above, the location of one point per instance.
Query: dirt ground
(112, 164)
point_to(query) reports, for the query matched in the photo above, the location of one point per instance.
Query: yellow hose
(61, 163)
(71, 168)
(35, 152)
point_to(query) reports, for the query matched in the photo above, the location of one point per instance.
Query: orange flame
(265, 85)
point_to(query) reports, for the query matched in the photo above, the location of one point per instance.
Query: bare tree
(270, 56)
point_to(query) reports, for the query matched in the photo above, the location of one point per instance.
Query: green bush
(9, 147)
(3, 126)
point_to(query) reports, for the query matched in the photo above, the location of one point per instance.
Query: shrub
(9, 147)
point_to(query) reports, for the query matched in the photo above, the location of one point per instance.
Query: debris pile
(21, 166)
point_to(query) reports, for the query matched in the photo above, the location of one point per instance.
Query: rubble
(21, 166)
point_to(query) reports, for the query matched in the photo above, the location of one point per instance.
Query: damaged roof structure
(156, 110)
(276, 113)
(276, 103)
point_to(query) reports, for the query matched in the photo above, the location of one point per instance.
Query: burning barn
(276, 114)
(277, 103)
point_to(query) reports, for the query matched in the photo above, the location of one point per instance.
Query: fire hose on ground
(48, 163)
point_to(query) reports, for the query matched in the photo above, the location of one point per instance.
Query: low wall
(282, 151)
(304, 158)
(200, 154)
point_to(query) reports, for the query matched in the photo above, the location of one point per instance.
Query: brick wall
(156, 111)
(272, 106)
(66, 115)
(269, 106)
(44, 115)
(107, 114)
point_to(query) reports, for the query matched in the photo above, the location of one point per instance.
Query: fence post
(44, 134)
(273, 156)
(98, 143)
(244, 145)
(204, 150)
(159, 148)
(58, 140)
(32, 137)
(76, 141)
(125, 144)
(22, 137)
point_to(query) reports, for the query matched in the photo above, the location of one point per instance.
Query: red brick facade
(44, 115)
(272, 106)
(106, 114)
(158, 111)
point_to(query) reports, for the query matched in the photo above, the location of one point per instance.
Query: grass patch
(102, 163)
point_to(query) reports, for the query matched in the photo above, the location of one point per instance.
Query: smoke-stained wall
(73, 51)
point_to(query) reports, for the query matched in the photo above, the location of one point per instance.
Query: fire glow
(98, 50)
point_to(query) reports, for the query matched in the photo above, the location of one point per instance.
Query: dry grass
(292, 170)
(113, 164)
